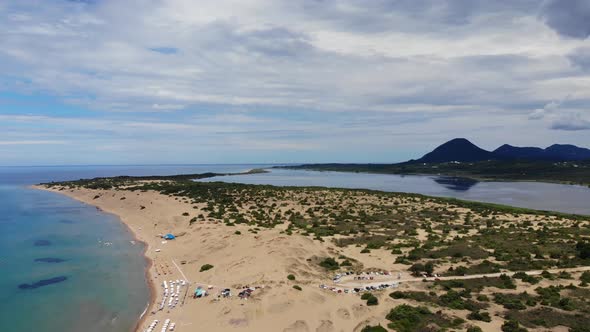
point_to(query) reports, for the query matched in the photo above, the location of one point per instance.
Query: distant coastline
(570, 173)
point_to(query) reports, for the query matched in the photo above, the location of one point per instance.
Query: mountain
(508, 151)
(462, 150)
(458, 149)
(568, 152)
(556, 152)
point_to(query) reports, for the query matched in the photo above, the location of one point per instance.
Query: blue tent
(169, 236)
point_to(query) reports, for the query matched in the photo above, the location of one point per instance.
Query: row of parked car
(360, 275)
(359, 289)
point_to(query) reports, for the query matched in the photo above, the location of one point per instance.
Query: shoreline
(151, 283)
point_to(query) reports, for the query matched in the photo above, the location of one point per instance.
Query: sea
(68, 267)
(64, 265)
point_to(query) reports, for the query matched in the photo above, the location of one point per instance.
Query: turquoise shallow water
(105, 287)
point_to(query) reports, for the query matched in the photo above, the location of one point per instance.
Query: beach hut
(169, 236)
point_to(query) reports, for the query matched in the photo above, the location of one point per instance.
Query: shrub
(483, 298)
(366, 296)
(398, 295)
(372, 301)
(185, 214)
(416, 269)
(474, 329)
(479, 315)
(329, 264)
(365, 251)
(297, 287)
(583, 249)
(378, 328)
(346, 263)
(291, 277)
(206, 267)
(406, 318)
(512, 326)
(237, 232)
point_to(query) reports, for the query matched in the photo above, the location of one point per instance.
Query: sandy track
(378, 280)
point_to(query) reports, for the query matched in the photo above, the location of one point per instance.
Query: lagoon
(532, 195)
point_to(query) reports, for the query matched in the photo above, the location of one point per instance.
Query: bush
(291, 277)
(417, 269)
(372, 301)
(474, 329)
(483, 298)
(366, 296)
(406, 318)
(512, 326)
(398, 295)
(237, 232)
(297, 287)
(206, 267)
(583, 249)
(479, 315)
(365, 251)
(185, 214)
(378, 328)
(329, 264)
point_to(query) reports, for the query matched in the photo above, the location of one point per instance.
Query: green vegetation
(406, 318)
(291, 277)
(526, 278)
(548, 318)
(512, 326)
(479, 315)
(451, 299)
(370, 298)
(206, 267)
(502, 282)
(377, 328)
(297, 287)
(329, 264)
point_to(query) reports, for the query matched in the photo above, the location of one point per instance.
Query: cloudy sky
(241, 81)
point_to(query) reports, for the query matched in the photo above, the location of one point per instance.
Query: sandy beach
(242, 258)
(260, 260)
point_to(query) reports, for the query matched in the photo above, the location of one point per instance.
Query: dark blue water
(54, 248)
(533, 195)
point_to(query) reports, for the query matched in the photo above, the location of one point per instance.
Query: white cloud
(301, 75)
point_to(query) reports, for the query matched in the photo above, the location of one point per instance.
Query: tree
(417, 268)
(512, 326)
(583, 249)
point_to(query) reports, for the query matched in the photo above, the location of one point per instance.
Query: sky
(287, 81)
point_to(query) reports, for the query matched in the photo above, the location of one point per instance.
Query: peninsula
(234, 257)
